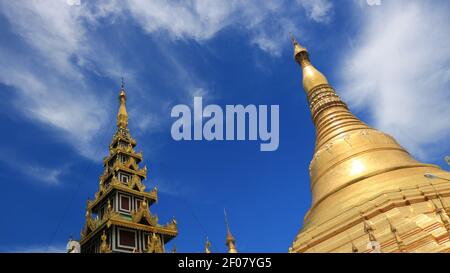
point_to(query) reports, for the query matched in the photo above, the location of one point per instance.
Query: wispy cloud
(55, 51)
(398, 70)
(266, 22)
(173, 188)
(45, 68)
(49, 176)
(318, 10)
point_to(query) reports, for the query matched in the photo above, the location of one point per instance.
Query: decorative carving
(154, 244)
(104, 246)
(144, 213)
(346, 138)
(322, 97)
(136, 183)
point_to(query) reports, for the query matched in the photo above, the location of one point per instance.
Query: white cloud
(267, 22)
(173, 188)
(399, 71)
(49, 176)
(51, 87)
(58, 47)
(148, 122)
(199, 20)
(318, 10)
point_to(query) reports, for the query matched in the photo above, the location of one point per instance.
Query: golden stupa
(368, 193)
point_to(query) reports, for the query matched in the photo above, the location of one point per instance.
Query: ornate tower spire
(353, 168)
(230, 241)
(122, 115)
(123, 221)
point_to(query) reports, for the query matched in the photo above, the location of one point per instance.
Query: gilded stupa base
(407, 219)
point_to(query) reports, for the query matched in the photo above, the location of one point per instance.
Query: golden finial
(311, 76)
(122, 115)
(294, 41)
(298, 49)
(207, 245)
(230, 241)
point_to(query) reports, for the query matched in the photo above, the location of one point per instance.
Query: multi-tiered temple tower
(119, 218)
(368, 193)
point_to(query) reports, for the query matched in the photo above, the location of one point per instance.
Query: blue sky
(60, 76)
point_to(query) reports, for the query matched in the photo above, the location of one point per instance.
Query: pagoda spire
(230, 241)
(346, 150)
(330, 114)
(122, 115)
(355, 167)
(123, 202)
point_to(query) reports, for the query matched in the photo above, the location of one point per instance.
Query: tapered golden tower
(368, 193)
(119, 218)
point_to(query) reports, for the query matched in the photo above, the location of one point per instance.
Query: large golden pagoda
(368, 193)
(119, 218)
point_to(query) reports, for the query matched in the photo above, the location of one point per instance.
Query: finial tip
(294, 41)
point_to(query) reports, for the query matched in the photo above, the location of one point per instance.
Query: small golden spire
(298, 49)
(398, 239)
(207, 245)
(354, 248)
(230, 241)
(369, 230)
(373, 243)
(122, 115)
